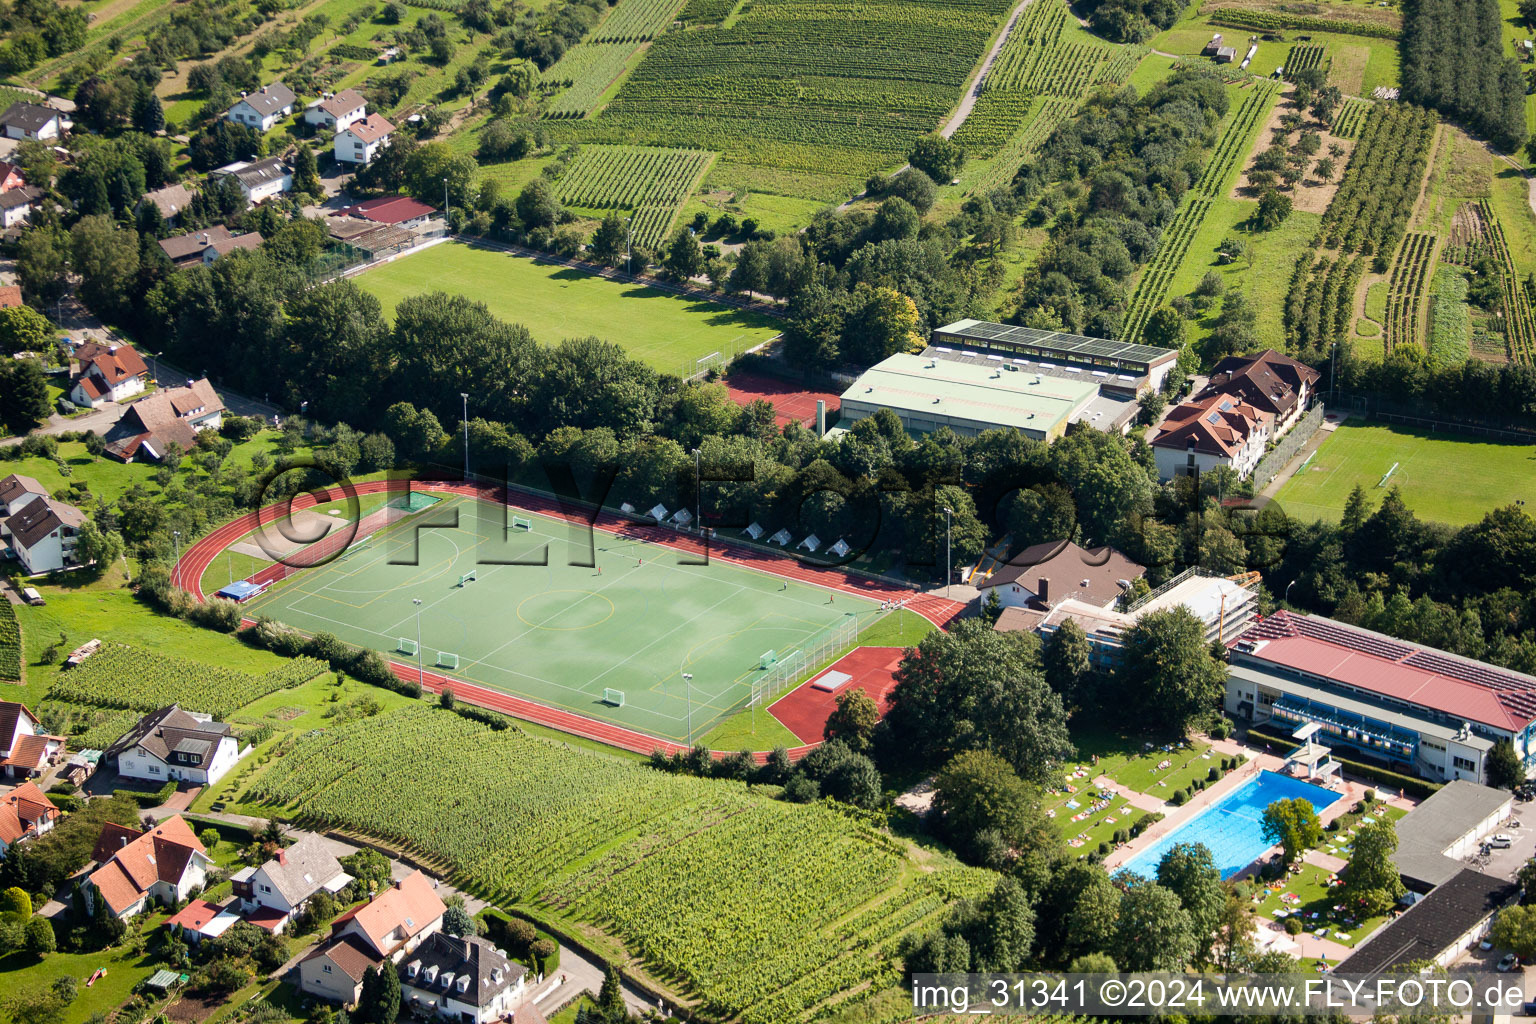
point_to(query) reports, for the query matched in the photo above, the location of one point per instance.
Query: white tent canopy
(682, 517)
(658, 513)
(810, 543)
(839, 549)
(627, 509)
(755, 532)
(781, 538)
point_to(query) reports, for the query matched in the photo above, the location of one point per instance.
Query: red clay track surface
(188, 574)
(804, 710)
(790, 404)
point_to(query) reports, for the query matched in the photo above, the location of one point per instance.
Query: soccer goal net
(406, 646)
(614, 697)
(469, 577)
(447, 659)
(519, 523)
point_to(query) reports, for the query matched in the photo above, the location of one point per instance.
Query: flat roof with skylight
(1110, 358)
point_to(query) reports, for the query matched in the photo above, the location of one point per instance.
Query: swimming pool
(1233, 827)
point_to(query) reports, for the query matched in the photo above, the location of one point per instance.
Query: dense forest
(1454, 61)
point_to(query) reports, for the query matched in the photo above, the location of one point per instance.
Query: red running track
(188, 574)
(804, 710)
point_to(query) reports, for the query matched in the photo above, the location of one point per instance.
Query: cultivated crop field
(136, 679)
(819, 86)
(624, 177)
(556, 302)
(1443, 476)
(586, 70)
(756, 907)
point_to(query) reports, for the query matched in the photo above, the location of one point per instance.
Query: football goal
(469, 577)
(406, 646)
(613, 697)
(447, 659)
(519, 523)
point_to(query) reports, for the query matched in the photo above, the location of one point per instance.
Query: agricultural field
(636, 21)
(801, 86)
(1443, 477)
(555, 303)
(755, 907)
(586, 71)
(1408, 289)
(1043, 58)
(137, 679)
(626, 177)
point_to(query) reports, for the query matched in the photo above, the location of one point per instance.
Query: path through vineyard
(968, 101)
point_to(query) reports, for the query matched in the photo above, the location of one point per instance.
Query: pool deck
(1305, 946)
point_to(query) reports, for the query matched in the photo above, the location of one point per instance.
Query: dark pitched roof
(1429, 927)
(269, 99)
(24, 196)
(10, 715)
(1090, 576)
(258, 172)
(249, 240)
(170, 200)
(303, 869)
(163, 419)
(455, 958)
(37, 519)
(15, 485)
(192, 244)
(28, 116)
(1268, 381)
(171, 729)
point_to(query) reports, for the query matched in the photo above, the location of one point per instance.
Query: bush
(1145, 822)
(151, 798)
(1103, 849)
(216, 613)
(1179, 798)
(1370, 796)
(1215, 772)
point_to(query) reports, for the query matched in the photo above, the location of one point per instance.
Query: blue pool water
(1233, 827)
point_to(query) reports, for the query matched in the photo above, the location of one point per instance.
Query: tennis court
(639, 621)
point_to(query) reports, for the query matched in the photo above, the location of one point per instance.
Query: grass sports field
(556, 303)
(563, 634)
(1443, 477)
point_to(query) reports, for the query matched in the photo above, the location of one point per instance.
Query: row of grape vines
(1519, 320)
(1303, 57)
(1406, 287)
(1350, 118)
(625, 177)
(1231, 146)
(1048, 113)
(587, 70)
(1321, 301)
(635, 21)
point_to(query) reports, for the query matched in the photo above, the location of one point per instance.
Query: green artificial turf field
(1443, 477)
(562, 634)
(556, 303)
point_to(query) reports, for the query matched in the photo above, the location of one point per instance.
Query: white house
(263, 108)
(16, 205)
(25, 812)
(162, 865)
(361, 142)
(171, 416)
(176, 745)
(30, 121)
(261, 179)
(1045, 574)
(107, 373)
(465, 979)
(283, 885)
(24, 748)
(337, 111)
(43, 534)
(17, 490)
(1215, 430)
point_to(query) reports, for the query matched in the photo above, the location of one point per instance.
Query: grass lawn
(1313, 895)
(1255, 273)
(554, 302)
(1443, 477)
(1124, 759)
(22, 973)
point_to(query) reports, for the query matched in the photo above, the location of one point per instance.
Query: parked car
(1508, 963)
(1501, 841)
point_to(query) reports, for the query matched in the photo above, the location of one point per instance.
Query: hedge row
(151, 798)
(1238, 17)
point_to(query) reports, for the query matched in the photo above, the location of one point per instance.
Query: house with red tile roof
(385, 929)
(361, 141)
(10, 296)
(401, 211)
(106, 373)
(25, 812)
(137, 869)
(26, 750)
(1217, 430)
(10, 176)
(200, 920)
(171, 416)
(1409, 707)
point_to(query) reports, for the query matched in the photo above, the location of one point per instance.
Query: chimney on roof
(1043, 590)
